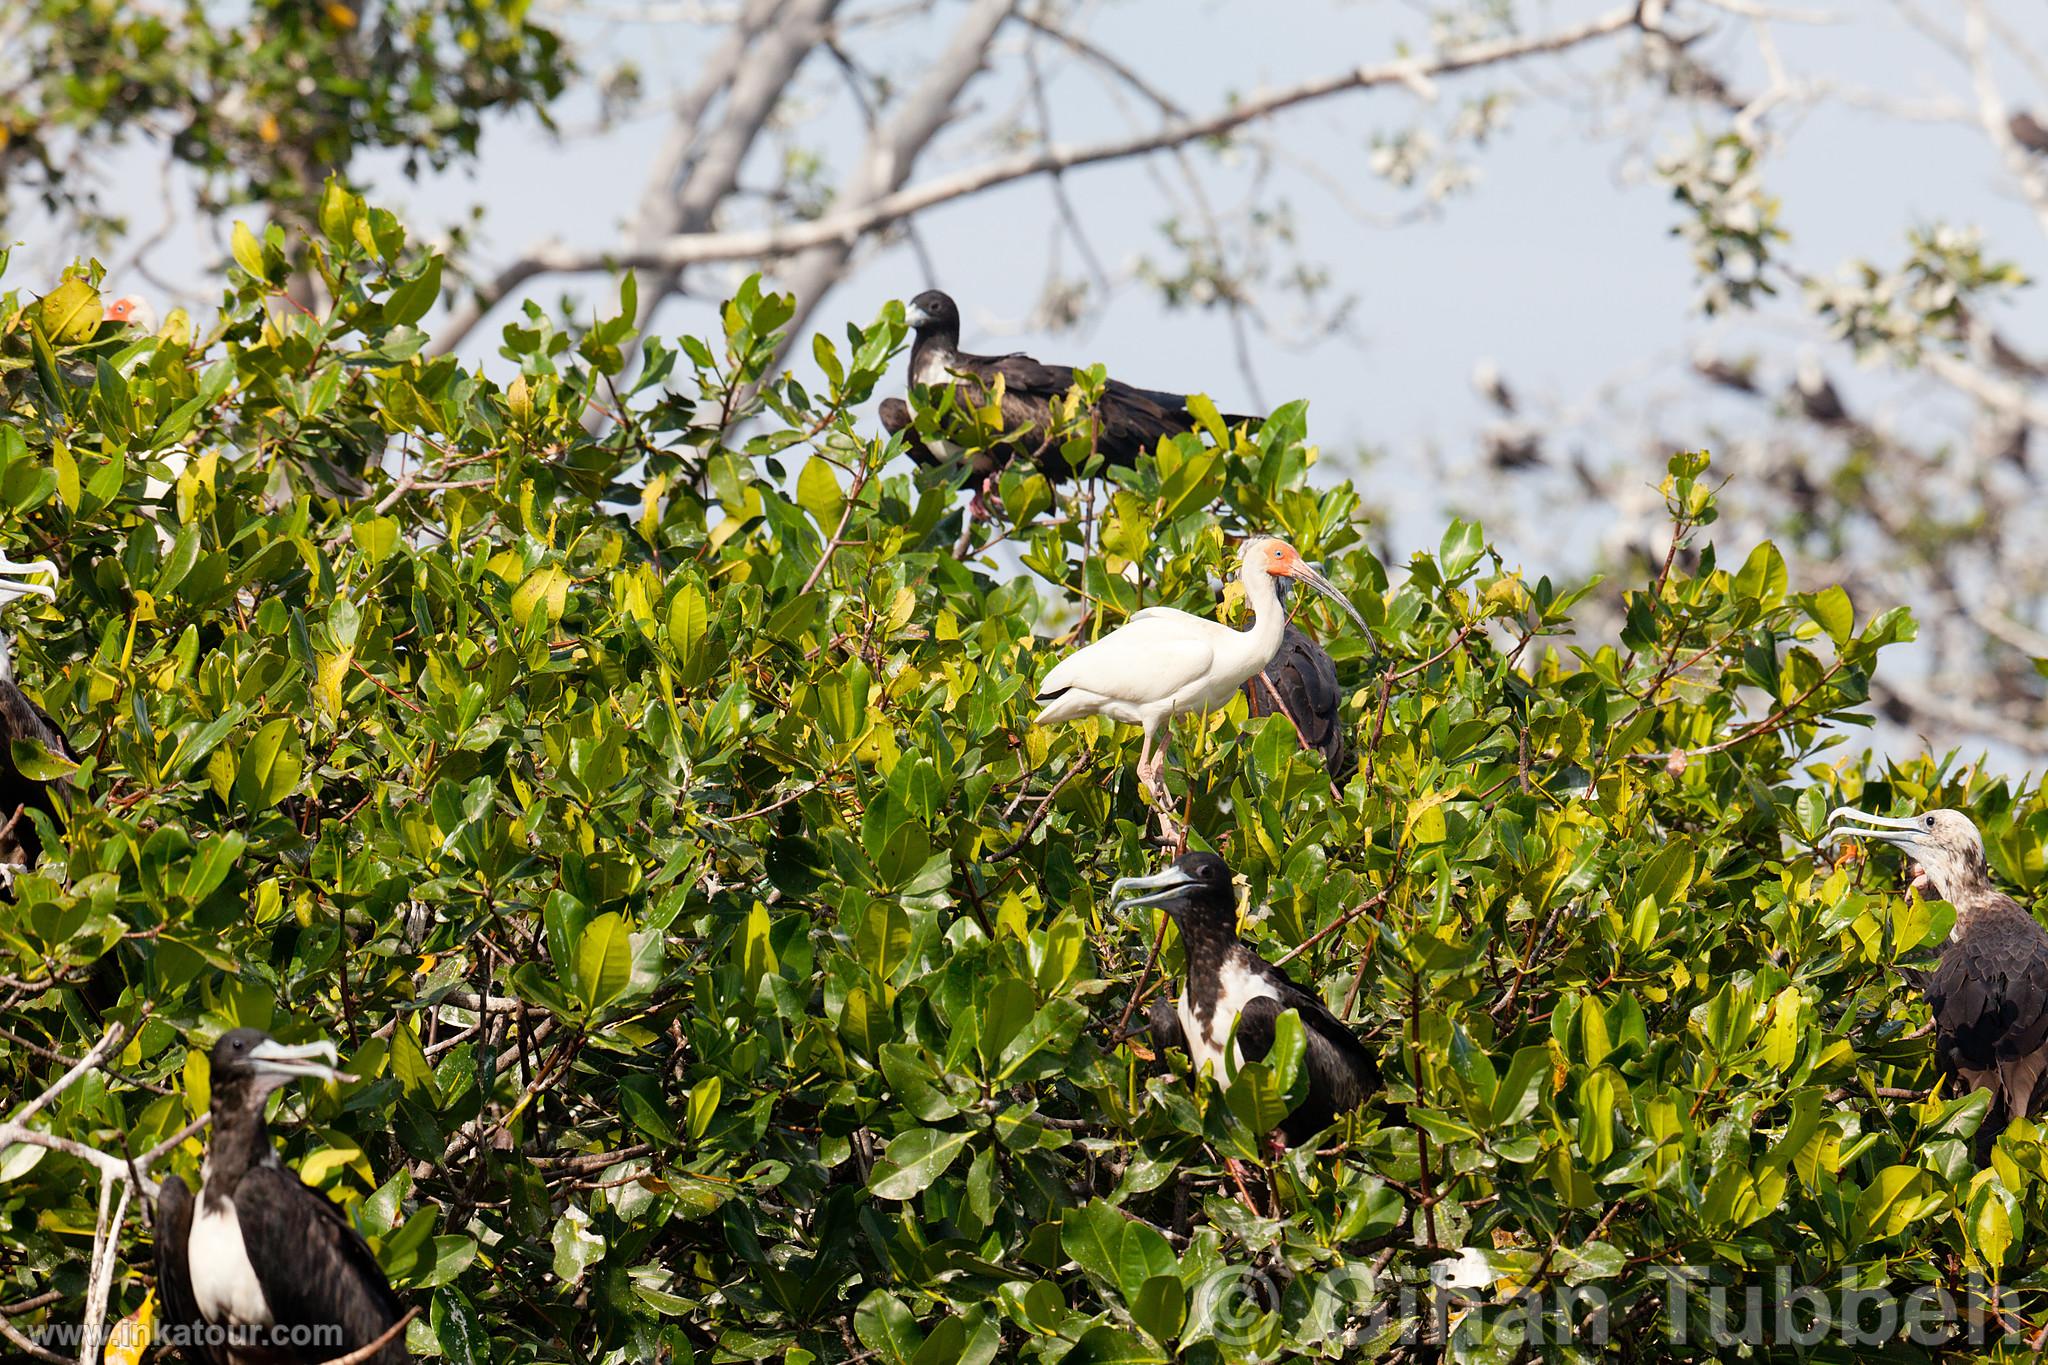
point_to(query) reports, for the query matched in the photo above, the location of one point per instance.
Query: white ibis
(1163, 662)
(21, 843)
(259, 1262)
(134, 311)
(1231, 993)
(1989, 992)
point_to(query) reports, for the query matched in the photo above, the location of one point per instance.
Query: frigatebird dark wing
(22, 719)
(1341, 1071)
(1301, 684)
(314, 1268)
(1163, 1022)
(1989, 998)
(178, 1315)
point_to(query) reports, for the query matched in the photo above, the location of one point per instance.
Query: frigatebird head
(934, 311)
(1197, 890)
(248, 1064)
(1945, 843)
(1284, 564)
(14, 581)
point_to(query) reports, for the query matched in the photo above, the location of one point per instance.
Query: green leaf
(457, 1329)
(704, 1097)
(70, 313)
(914, 1160)
(577, 1248)
(416, 297)
(268, 770)
(604, 961)
(38, 764)
(818, 492)
(545, 590)
(247, 251)
(886, 1327)
(1762, 576)
(1831, 610)
(1160, 1307)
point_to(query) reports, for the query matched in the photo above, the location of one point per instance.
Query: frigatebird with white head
(1126, 421)
(260, 1268)
(1233, 998)
(1989, 992)
(1164, 662)
(21, 843)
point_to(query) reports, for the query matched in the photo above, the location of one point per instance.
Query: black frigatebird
(1301, 684)
(21, 843)
(1231, 990)
(260, 1268)
(1127, 421)
(1989, 992)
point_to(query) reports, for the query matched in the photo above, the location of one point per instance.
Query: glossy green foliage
(620, 804)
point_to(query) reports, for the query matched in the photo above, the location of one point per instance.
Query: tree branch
(841, 231)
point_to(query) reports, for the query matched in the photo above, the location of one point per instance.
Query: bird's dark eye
(1929, 822)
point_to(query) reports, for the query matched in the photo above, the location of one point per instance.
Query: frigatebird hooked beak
(1989, 992)
(1233, 996)
(259, 1268)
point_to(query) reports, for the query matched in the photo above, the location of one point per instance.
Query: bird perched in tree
(21, 720)
(1126, 422)
(1163, 662)
(134, 311)
(259, 1268)
(1301, 684)
(1989, 992)
(1232, 996)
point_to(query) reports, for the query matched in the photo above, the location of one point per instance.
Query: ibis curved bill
(1164, 662)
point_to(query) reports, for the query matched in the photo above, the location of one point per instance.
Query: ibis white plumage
(1164, 662)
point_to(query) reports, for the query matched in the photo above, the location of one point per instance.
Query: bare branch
(1992, 113)
(837, 233)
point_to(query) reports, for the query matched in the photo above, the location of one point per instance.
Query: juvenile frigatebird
(1126, 421)
(1163, 661)
(21, 843)
(260, 1268)
(1989, 992)
(1231, 991)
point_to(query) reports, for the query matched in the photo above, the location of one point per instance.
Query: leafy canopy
(619, 803)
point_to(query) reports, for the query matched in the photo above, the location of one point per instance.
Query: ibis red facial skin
(134, 311)
(1164, 662)
(257, 1249)
(21, 843)
(1989, 992)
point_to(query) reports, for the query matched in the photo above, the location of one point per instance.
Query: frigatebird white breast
(1128, 421)
(260, 1268)
(1989, 992)
(1233, 996)
(21, 842)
